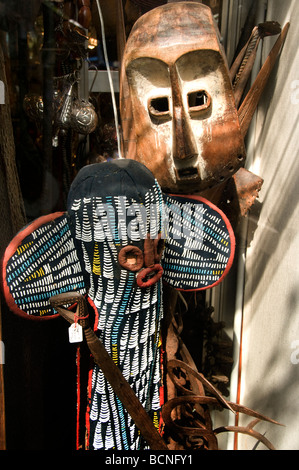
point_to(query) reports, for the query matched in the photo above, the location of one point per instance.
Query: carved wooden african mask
(184, 114)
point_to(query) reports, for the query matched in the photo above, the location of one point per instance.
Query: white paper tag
(75, 333)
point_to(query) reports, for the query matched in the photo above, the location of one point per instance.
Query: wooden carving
(178, 103)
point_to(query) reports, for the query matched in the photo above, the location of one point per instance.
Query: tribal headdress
(119, 239)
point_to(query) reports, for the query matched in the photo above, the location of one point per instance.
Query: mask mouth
(188, 173)
(149, 276)
(187, 168)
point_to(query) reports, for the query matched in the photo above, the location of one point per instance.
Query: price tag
(75, 333)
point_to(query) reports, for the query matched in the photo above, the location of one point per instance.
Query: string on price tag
(76, 331)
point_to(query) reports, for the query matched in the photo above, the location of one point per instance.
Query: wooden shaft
(248, 107)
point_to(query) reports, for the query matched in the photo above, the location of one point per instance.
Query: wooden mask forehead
(172, 30)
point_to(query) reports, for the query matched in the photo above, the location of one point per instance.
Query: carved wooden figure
(184, 118)
(178, 103)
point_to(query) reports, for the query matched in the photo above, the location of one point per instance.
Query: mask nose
(184, 146)
(153, 270)
(153, 249)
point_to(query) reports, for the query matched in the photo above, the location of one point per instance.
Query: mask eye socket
(131, 258)
(198, 101)
(159, 107)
